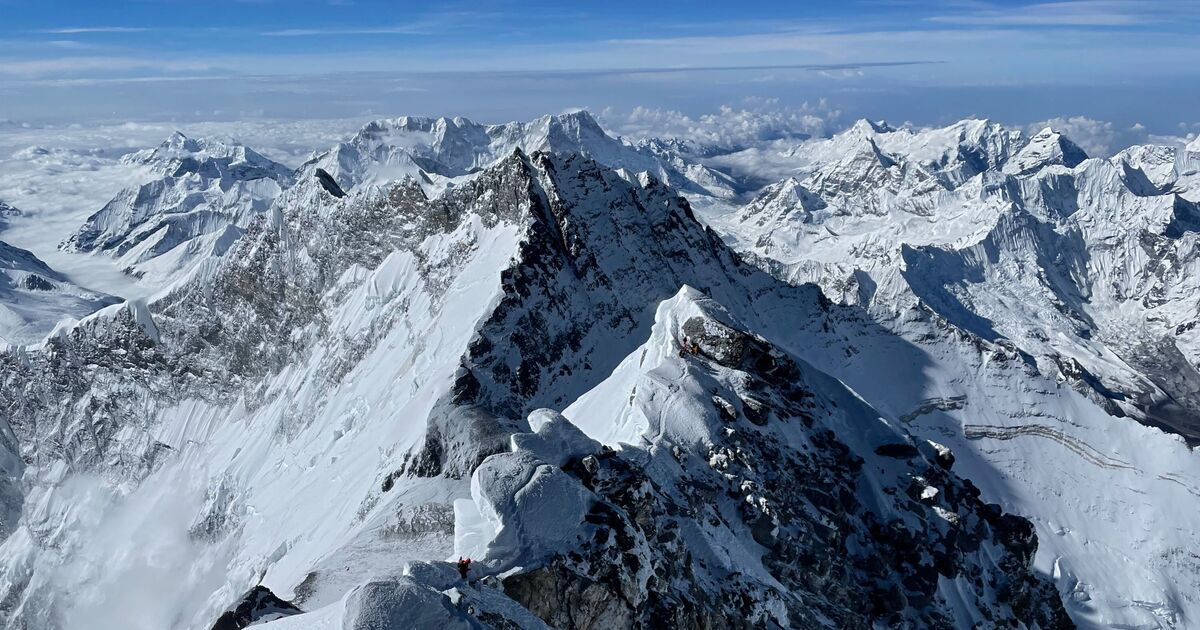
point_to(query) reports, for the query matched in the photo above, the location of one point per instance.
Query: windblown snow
(894, 377)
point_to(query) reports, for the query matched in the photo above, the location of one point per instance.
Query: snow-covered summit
(7, 212)
(1154, 169)
(203, 194)
(952, 154)
(1042, 198)
(705, 408)
(1047, 148)
(786, 199)
(179, 154)
(391, 149)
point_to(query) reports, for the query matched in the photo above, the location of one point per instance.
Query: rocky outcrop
(257, 606)
(775, 523)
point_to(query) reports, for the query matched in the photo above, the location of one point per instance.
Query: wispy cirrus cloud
(1082, 13)
(27, 68)
(67, 44)
(399, 29)
(77, 30)
(424, 25)
(130, 80)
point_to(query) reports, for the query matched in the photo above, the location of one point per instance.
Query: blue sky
(1123, 60)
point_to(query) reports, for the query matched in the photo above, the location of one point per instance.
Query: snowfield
(893, 377)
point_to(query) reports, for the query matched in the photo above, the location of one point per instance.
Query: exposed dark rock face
(258, 605)
(329, 183)
(35, 282)
(600, 254)
(834, 559)
(565, 599)
(899, 451)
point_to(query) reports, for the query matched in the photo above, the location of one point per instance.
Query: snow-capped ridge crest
(179, 154)
(449, 149)
(201, 194)
(1047, 147)
(867, 127)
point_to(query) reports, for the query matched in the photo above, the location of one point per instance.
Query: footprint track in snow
(995, 432)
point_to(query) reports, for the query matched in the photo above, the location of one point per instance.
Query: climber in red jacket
(463, 567)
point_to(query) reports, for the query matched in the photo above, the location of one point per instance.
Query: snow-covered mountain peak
(177, 141)
(1047, 147)
(866, 127)
(1153, 169)
(947, 155)
(573, 132)
(7, 212)
(1081, 270)
(201, 195)
(443, 151)
(578, 127)
(461, 144)
(179, 149)
(414, 131)
(787, 201)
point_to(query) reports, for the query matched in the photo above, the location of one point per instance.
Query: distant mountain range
(897, 377)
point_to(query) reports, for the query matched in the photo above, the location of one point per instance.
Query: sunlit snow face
(908, 230)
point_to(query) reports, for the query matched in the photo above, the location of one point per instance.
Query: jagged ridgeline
(361, 387)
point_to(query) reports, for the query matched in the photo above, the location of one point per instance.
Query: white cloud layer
(731, 127)
(1101, 138)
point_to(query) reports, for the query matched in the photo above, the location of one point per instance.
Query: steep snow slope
(1079, 273)
(1091, 482)
(749, 403)
(333, 319)
(367, 354)
(1104, 278)
(699, 521)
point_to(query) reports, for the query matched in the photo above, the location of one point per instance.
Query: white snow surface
(34, 297)
(1085, 266)
(445, 148)
(1003, 296)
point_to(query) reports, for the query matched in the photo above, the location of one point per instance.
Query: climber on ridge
(463, 567)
